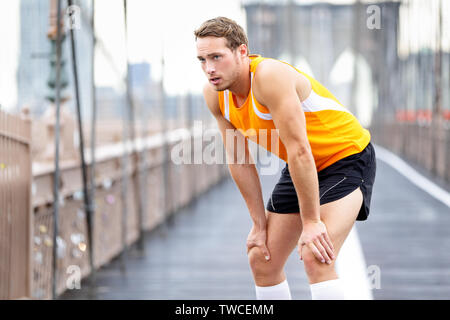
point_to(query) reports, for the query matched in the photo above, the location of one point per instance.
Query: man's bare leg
(283, 232)
(339, 217)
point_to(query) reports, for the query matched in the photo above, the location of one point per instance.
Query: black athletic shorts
(335, 182)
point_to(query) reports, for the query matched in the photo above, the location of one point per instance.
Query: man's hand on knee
(257, 238)
(315, 237)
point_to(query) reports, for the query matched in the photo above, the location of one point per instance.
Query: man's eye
(216, 57)
(201, 60)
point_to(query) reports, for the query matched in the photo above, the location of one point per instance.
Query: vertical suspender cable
(403, 61)
(57, 129)
(437, 126)
(165, 150)
(94, 117)
(355, 45)
(444, 117)
(86, 195)
(132, 133)
(410, 88)
(124, 193)
(192, 175)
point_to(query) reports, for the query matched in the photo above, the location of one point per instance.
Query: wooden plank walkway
(201, 255)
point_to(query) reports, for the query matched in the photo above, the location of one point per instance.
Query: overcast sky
(163, 27)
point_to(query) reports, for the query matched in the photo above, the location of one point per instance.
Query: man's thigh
(339, 217)
(284, 229)
(283, 232)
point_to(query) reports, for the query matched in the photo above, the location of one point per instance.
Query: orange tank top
(333, 131)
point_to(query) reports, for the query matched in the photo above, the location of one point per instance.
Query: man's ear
(243, 50)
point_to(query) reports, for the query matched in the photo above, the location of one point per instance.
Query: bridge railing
(15, 206)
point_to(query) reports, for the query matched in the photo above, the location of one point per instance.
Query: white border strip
(315, 103)
(227, 105)
(412, 175)
(262, 115)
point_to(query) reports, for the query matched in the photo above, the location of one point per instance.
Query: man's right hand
(257, 238)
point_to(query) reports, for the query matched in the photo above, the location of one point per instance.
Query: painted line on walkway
(352, 270)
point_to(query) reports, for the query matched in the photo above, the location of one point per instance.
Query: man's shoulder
(272, 67)
(275, 74)
(271, 71)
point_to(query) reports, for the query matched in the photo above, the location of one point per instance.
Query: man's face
(220, 65)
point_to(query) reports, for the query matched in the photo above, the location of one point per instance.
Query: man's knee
(313, 266)
(259, 264)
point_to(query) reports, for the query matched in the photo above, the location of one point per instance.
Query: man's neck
(241, 87)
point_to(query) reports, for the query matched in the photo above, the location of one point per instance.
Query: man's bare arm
(275, 87)
(278, 93)
(243, 170)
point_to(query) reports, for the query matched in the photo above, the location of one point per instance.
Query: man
(330, 166)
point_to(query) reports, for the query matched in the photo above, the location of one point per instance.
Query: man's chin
(220, 88)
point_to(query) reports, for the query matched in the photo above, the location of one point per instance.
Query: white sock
(328, 290)
(277, 292)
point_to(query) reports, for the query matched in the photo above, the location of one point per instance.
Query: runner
(330, 162)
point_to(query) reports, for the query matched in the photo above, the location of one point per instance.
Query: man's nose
(210, 69)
